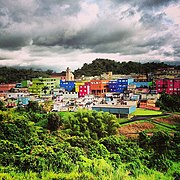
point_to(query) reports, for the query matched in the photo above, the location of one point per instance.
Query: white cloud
(63, 33)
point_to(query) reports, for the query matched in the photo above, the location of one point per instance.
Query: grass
(140, 111)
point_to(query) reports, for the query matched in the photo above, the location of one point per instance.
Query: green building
(43, 86)
(25, 83)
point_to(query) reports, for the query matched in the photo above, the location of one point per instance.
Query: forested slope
(81, 145)
(99, 66)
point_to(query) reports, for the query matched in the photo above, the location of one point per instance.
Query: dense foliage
(81, 145)
(13, 75)
(169, 103)
(99, 66)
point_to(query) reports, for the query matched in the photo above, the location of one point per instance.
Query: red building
(99, 87)
(61, 76)
(169, 86)
(84, 89)
(6, 87)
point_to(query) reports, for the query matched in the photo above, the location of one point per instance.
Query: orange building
(6, 87)
(99, 87)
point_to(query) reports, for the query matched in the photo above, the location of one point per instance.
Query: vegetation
(81, 145)
(140, 112)
(169, 103)
(13, 75)
(99, 66)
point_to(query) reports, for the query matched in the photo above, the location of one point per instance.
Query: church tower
(69, 75)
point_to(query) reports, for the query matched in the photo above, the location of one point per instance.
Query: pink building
(84, 89)
(169, 86)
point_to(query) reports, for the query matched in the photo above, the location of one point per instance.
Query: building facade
(6, 87)
(119, 85)
(43, 86)
(99, 87)
(67, 85)
(84, 89)
(169, 86)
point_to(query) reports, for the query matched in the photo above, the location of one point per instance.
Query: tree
(169, 102)
(53, 121)
(2, 106)
(33, 106)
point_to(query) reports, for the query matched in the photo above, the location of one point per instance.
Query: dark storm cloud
(3, 58)
(146, 4)
(51, 28)
(13, 41)
(94, 37)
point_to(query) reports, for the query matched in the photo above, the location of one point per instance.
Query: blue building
(119, 110)
(119, 85)
(18, 85)
(113, 84)
(141, 84)
(67, 85)
(23, 100)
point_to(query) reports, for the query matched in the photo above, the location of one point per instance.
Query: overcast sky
(55, 34)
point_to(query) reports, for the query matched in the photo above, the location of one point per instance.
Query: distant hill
(99, 66)
(12, 75)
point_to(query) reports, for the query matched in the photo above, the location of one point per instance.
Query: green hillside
(81, 145)
(99, 66)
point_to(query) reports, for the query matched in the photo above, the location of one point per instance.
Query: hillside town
(114, 93)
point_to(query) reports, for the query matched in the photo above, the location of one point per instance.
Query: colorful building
(119, 85)
(60, 76)
(119, 110)
(6, 87)
(141, 84)
(99, 87)
(169, 72)
(67, 85)
(43, 86)
(84, 89)
(77, 84)
(169, 86)
(25, 83)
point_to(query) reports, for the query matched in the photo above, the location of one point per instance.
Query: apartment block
(169, 86)
(99, 87)
(119, 85)
(43, 86)
(67, 85)
(84, 89)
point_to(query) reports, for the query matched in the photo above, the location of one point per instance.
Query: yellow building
(77, 84)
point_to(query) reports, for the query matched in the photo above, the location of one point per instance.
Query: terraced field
(132, 128)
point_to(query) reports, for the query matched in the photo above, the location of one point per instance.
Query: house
(60, 76)
(6, 87)
(67, 85)
(169, 86)
(77, 84)
(119, 110)
(26, 83)
(84, 89)
(99, 87)
(139, 77)
(142, 84)
(43, 86)
(119, 85)
(169, 73)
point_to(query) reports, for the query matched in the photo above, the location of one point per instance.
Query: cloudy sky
(55, 34)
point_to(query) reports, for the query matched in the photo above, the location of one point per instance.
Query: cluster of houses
(118, 94)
